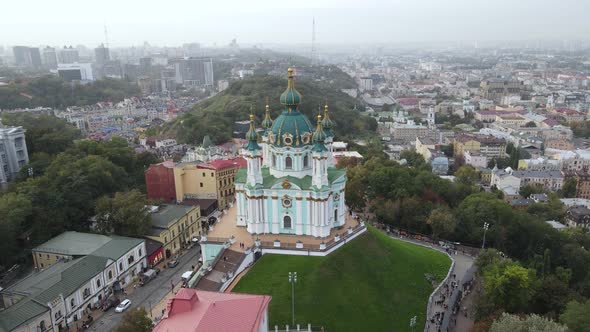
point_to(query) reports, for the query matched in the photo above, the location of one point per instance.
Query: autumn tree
(135, 320)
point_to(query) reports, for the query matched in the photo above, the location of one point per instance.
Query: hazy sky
(173, 22)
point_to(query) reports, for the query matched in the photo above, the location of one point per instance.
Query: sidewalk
(462, 264)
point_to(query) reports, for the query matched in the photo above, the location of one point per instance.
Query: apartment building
(175, 226)
(487, 145)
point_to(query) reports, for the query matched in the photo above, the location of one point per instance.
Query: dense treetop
(52, 91)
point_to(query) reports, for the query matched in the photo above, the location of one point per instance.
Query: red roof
(408, 101)
(224, 163)
(196, 310)
(567, 111)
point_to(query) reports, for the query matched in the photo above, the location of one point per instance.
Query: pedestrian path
(442, 300)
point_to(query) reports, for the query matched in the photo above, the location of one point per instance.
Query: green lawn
(374, 283)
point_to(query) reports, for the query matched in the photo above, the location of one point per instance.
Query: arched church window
(335, 214)
(274, 161)
(287, 222)
(306, 161)
(289, 163)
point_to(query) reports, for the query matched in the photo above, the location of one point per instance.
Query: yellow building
(175, 226)
(464, 143)
(486, 145)
(212, 180)
(191, 182)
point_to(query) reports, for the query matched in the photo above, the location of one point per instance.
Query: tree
(569, 188)
(529, 189)
(576, 316)
(413, 158)
(442, 222)
(124, 214)
(467, 175)
(536, 323)
(508, 287)
(135, 320)
(14, 211)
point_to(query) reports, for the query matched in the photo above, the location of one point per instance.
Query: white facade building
(13, 152)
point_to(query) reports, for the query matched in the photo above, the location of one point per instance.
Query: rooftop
(196, 310)
(220, 164)
(169, 214)
(74, 243)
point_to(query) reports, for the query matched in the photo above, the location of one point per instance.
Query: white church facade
(290, 185)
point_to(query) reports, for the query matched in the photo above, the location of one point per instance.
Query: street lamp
(412, 323)
(292, 281)
(485, 229)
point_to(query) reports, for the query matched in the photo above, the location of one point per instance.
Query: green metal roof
(74, 277)
(169, 214)
(74, 243)
(117, 247)
(291, 122)
(304, 183)
(20, 313)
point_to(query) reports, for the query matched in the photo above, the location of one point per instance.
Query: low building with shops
(175, 226)
(63, 291)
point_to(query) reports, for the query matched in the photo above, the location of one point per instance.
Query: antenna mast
(313, 49)
(106, 36)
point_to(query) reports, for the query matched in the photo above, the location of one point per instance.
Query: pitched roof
(169, 214)
(20, 313)
(196, 310)
(117, 247)
(74, 243)
(74, 277)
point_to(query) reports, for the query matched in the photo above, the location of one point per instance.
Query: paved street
(152, 293)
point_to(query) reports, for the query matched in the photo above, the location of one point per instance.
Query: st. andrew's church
(291, 185)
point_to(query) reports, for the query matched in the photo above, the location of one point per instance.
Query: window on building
(274, 160)
(139, 252)
(306, 161)
(287, 222)
(110, 275)
(335, 214)
(72, 303)
(203, 174)
(201, 184)
(42, 325)
(212, 174)
(120, 266)
(288, 163)
(98, 283)
(130, 259)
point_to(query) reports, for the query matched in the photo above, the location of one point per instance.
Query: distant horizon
(269, 22)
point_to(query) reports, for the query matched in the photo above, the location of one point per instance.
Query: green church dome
(290, 97)
(291, 128)
(327, 124)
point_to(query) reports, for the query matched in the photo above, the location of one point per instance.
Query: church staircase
(226, 264)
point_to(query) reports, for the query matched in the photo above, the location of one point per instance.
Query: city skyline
(337, 22)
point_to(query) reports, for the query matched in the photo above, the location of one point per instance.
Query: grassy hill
(215, 116)
(374, 283)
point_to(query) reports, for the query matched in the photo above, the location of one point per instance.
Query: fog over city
(265, 21)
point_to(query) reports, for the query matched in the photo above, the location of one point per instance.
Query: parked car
(123, 305)
(173, 263)
(145, 277)
(112, 302)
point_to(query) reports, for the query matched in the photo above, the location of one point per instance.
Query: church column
(275, 208)
(298, 227)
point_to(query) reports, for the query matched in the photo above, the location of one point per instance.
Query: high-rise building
(13, 152)
(75, 71)
(68, 55)
(49, 58)
(27, 56)
(101, 54)
(194, 71)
